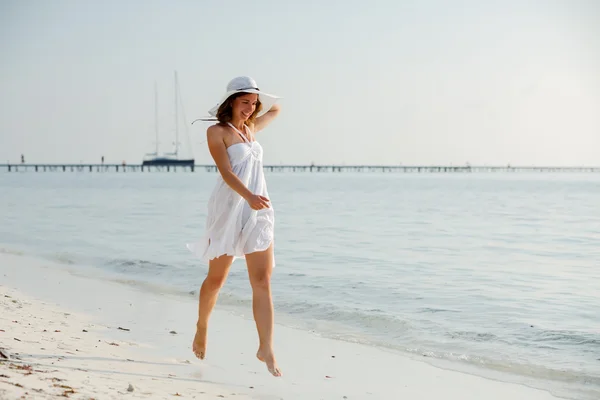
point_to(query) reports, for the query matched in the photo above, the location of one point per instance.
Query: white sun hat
(245, 84)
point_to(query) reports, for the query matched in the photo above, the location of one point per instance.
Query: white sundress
(232, 227)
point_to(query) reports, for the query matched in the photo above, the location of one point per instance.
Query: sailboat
(172, 158)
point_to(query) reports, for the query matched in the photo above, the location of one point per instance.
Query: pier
(123, 168)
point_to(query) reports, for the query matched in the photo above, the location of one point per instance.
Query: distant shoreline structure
(295, 168)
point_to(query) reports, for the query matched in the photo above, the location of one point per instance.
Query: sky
(419, 82)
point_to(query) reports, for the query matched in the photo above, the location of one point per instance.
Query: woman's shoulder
(216, 129)
(216, 134)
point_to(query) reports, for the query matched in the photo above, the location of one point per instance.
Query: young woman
(240, 221)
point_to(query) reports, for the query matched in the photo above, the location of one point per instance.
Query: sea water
(496, 274)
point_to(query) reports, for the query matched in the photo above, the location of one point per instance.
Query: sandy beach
(66, 334)
(48, 352)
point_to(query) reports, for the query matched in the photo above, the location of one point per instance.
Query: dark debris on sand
(4, 354)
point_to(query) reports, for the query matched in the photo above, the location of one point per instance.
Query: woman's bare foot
(268, 358)
(199, 345)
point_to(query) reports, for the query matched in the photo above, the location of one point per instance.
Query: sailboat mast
(156, 115)
(176, 119)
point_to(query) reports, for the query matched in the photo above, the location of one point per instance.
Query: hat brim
(266, 100)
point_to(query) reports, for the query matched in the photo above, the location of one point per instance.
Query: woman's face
(244, 106)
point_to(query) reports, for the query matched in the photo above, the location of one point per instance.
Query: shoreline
(313, 366)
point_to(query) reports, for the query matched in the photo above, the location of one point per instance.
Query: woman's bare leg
(218, 269)
(260, 267)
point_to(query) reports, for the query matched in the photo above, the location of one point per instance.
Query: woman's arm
(261, 122)
(218, 151)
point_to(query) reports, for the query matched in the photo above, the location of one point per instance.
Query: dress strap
(244, 138)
